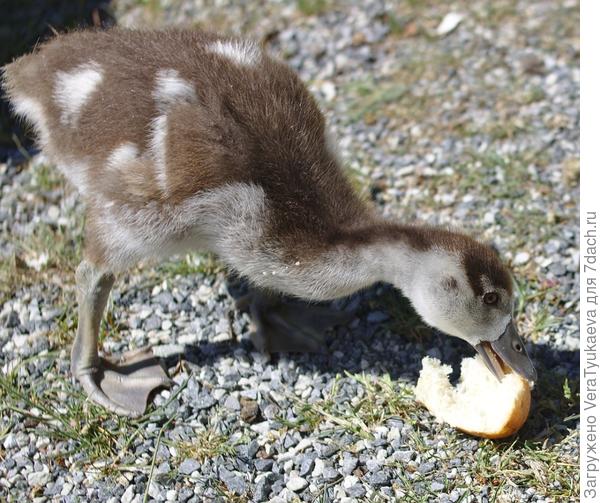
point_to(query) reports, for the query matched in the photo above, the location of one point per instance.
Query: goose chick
(181, 140)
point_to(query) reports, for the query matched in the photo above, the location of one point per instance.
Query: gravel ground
(467, 117)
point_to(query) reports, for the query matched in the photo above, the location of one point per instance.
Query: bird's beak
(510, 350)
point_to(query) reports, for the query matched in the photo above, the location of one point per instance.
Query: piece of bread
(479, 404)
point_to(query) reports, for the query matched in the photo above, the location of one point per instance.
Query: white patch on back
(32, 111)
(120, 156)
(76, 172)
(158, 149)
(171, 89)
(72, 90)
(241, 52)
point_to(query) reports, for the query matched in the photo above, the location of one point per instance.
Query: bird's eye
(490, 298)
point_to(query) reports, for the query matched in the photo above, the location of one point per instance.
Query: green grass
(515, 187)
(527, 465)
(77, 421)
(50, 407)
(209, 444)
(396, 23)
(533, 95)
(9, 277)
(59, 245)
(372, 96)
(205, 264)
(229, 496)
(55, 250)
(395, 96)
(312, 7)
(537, 301)
(495, 13)
(532, 459)
(62, 245)
(62, 333)
(45, 178)
(536, 458)
(505, 128)
(206, 444)
(382, 399)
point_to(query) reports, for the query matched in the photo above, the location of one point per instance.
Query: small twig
(53, 29)
(22, 150)
(326, 487)
(96, 19)
(151, 474)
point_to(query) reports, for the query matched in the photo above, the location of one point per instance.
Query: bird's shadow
(397, 344)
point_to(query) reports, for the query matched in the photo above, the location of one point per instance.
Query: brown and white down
(182, 140)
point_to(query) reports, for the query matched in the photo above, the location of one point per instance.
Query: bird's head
(461, 287)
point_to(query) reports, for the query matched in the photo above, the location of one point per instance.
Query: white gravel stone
(522, 258)
(318, 468)
(205, 293)
(328, 90)
(127, 496)
(38, 479)
(349, 481)
(296, 483)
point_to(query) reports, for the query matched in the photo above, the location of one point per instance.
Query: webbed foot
(124, 385)
(289, 325)
(121, 386)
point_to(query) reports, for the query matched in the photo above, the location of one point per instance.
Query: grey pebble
(326, 451)
(330, 473)
(38, 479)
(307, 464)
(232, 403)
(152, 323)
(403, 456)
(164, 299)
(263, 465)
(262, 489)
(380, 478)
(349, 464)
(437, 486)
(205, 401)
(12, 320)
(425, 468)
(356, 491)
(188, 466)
(377, 317)
(236, 484)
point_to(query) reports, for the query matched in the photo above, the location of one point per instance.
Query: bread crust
(514, 421)
(454, 405)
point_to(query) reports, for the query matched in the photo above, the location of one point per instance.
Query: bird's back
(157, 117)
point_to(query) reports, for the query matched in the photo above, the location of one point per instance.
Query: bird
(179, 140)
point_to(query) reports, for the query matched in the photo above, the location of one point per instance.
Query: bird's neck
(356, 261)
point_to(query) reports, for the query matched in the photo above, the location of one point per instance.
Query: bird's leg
(282, 324)
(122, 387)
